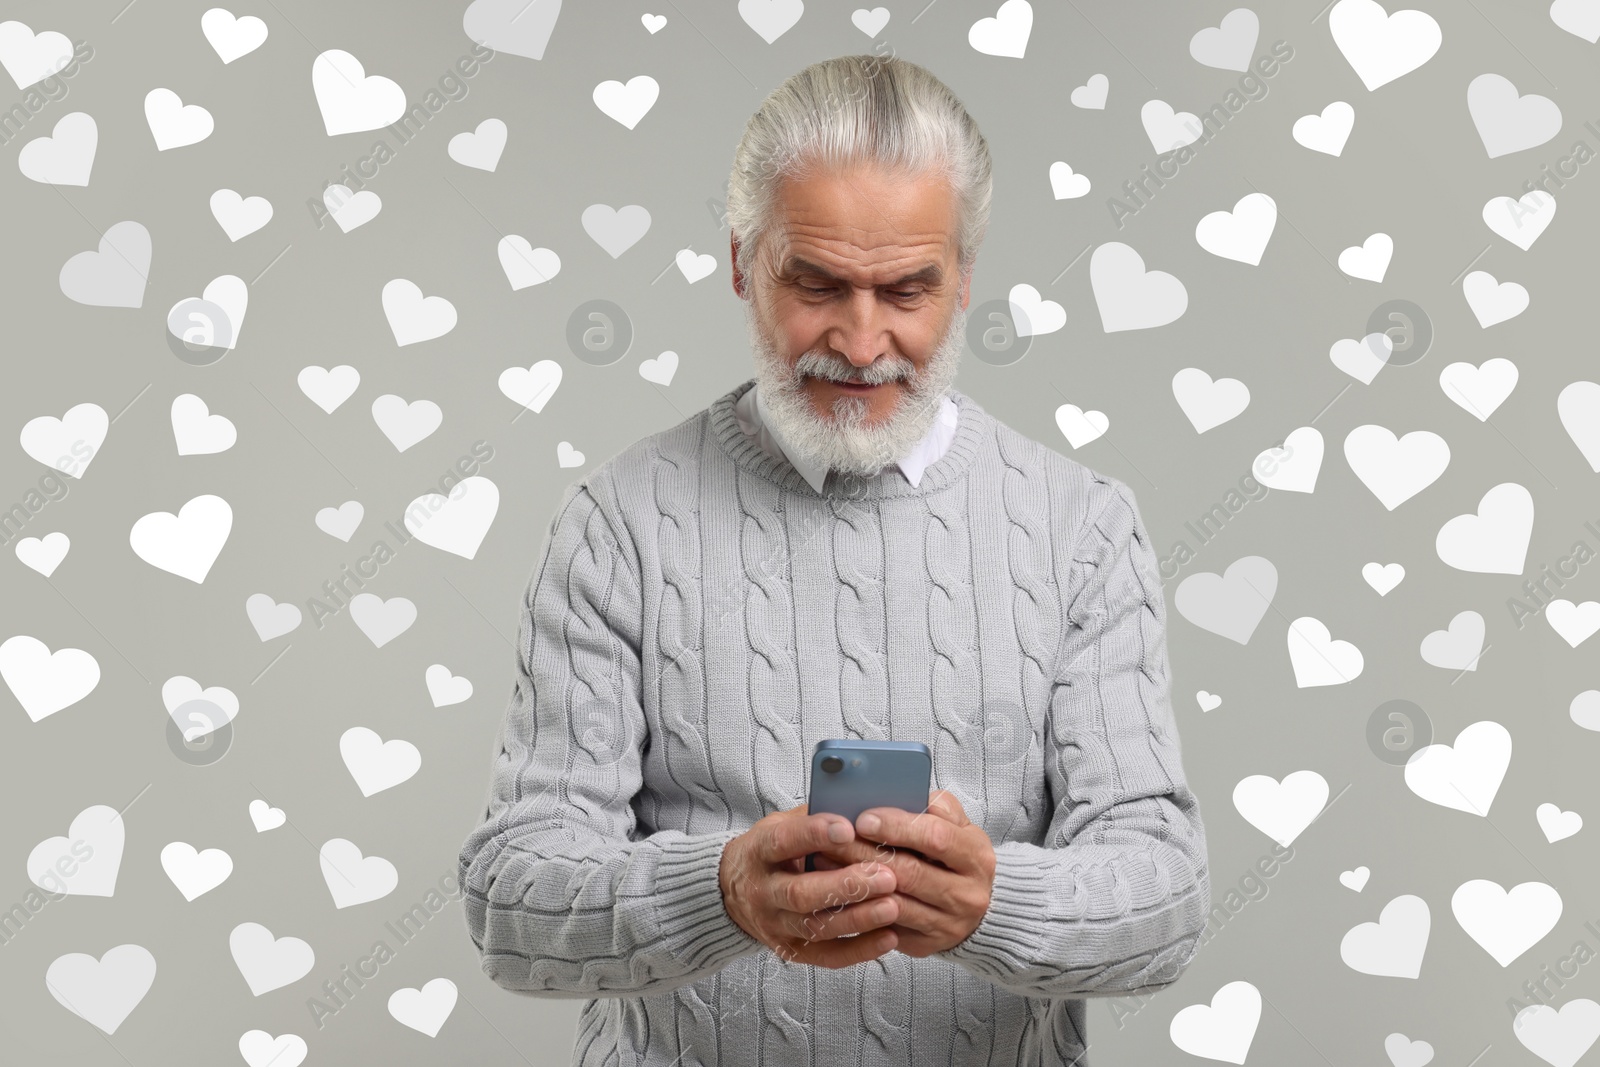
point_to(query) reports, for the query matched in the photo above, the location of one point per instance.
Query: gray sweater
(700, 617)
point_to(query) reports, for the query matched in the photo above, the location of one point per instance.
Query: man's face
(858, 323)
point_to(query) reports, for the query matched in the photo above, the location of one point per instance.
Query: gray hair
(850, 110)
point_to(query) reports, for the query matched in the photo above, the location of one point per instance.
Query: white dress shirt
(752, 415)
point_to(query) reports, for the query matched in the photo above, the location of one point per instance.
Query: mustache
(880, 372)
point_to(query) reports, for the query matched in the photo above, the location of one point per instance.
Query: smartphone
(850, 776)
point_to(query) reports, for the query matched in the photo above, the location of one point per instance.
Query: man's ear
(733, 258)
(966, 288)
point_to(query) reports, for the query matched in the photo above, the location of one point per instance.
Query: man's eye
(813, 289)
(905, 294)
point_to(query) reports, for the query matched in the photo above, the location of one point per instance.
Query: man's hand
(942, 895)
(803, 916)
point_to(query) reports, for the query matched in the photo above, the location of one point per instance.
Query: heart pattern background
(295, 292)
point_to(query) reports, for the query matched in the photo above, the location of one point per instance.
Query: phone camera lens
(832, 764)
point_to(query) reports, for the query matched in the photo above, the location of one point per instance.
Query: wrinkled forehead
(883, 224)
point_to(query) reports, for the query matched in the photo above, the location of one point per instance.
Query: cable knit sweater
(700, 617)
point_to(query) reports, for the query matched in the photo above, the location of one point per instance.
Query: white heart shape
(265, 816)
(266, 962)
(352, 101)
(1520, 221)
(1294, 465)
(348, 209)
(525, 265)
(660, 369)
(1130, 297)
(102, 991)
(627, 103)
(871, 22)
(414, 317)
(1362, 359)
(1479, 390)
(1206, 403)
(341, 522)
(1381, 47)
(196, 431)
(185, 544)
(377, 764)
(328, 388)
(231, 38)
(694, 267)
(1092, 93)
(382, 620)
(193, 872)
(1241, 234)
(66, 155)
(1494, 540)
(446, 688)
(1383, 576)
(352, 878)
(30, 58)
(405, 424)
(1223, 1029)
(1465, 776)
(1557, 824)
(479, 148)
(196, 711)
(85, 862)
(1065, 184)
(1319, 660)
(1006, 34)
(1491, 301)
(1505, 924)
(567, 456)
(1328, 131)
(44, 554)
(1370, 259)
(1281, 810)
(532, 387)
(1079, 426)
(1576, 623)
(173, 123)
(68, 444)
(270, 618)
(1031, 314)
(1458, 647)
(1393, 946)
(1167, 129)
(261, 1049)
(456, 523)
(424, 1009)
(1578, 407)
(239, 216)
(1395, 469)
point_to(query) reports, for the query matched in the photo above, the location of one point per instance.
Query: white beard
(846, 442)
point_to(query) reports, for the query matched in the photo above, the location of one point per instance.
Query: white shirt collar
(753, 420)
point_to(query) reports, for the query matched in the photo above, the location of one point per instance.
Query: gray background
(1414, 167)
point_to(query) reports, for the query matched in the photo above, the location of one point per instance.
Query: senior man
(843, 546)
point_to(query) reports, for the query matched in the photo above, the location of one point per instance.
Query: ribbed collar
(748, 454)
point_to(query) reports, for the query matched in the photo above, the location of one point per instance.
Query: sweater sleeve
(564, 896)
(1115, 899)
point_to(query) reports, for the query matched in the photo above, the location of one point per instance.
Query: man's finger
(845, 951)
(857, 918)
(942, 802)
(935, 837)
(819, 890)
(917, 915)
(794, 837)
